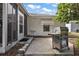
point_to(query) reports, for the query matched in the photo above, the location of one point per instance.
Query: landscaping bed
(13, 50)
(73, 39)
(76, 51)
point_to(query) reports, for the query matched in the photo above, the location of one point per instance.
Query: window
(21, 24)
(1, 24)
(46, 27)
(14, 25)
(0, 10)
(9, 17)
(12, 30)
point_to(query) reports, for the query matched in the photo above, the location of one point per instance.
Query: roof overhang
(22, 9)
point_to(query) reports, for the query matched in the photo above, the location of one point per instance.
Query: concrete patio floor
(43, 46)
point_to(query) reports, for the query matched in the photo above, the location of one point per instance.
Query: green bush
(77, 43)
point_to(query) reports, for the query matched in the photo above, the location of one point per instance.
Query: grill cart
(60, 38)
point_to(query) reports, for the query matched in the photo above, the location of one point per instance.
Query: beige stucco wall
(35, 25)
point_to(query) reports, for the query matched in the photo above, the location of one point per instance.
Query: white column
(20, 35)
(4, 34)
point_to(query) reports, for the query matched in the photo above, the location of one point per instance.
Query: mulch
(76, 50)
(13, 50)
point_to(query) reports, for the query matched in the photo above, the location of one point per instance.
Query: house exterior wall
(57, 24)
(35, 25)
(73, 27)
(6, 47)
(69, 27)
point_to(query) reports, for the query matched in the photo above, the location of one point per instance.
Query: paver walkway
(43, 46)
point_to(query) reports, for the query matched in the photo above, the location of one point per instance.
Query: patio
(43, 47)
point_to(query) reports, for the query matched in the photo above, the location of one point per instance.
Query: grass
(73, 37)
(73, 34)
(77, 43)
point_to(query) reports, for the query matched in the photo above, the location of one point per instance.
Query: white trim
(4, 29)
(20, 35)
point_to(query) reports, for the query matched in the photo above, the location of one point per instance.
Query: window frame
(21, 24)
(46, 28)
(1, 24)
(12, 26)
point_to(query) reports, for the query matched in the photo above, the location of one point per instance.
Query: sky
(41, 8)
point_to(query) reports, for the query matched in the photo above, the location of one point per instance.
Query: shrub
(77, 43)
